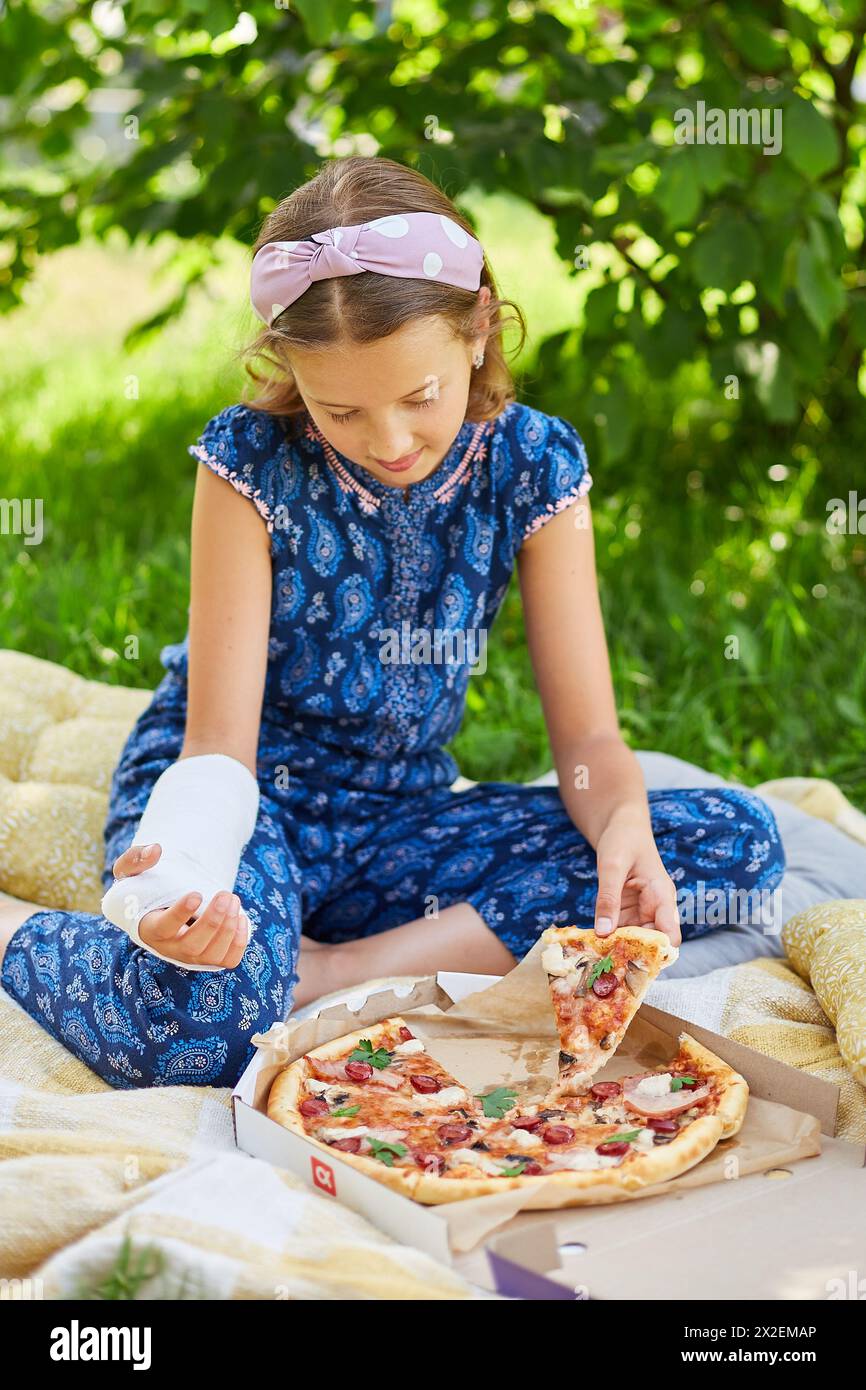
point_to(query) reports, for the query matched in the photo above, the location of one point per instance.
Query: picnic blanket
(108, 1193)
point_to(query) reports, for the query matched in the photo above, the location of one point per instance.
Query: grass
(694, 547)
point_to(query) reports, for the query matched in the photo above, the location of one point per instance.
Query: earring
(478, 359)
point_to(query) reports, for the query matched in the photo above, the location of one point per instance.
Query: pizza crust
(587, 938)
(338, 1047)
(284, 1096)
(637, 1172)
(595, 1187)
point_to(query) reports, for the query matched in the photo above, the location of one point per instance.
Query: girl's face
(394, 406)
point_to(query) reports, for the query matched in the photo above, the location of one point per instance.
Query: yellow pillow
(61, 737)
(827, 946)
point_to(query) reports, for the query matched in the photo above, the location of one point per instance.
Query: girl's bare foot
(461, 941)
(218, 937)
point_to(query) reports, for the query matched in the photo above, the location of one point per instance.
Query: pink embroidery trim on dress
(560, 505)
(199, 452)
(370, 503)
(476, 449)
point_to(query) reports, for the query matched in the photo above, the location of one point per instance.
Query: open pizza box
(703, 1234)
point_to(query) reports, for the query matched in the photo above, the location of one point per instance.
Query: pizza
(596, 987)
(379, 1100)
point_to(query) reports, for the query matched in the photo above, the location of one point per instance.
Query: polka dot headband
(413, 245)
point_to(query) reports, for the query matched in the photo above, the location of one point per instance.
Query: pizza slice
(693, 1084)
(596, 987)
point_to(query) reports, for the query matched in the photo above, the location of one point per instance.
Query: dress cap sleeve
(554, 471)
(242, 445)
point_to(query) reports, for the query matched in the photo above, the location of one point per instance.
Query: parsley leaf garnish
(497, 1102)
(385, 1151)
(516, 1170)
(347, 1110)
(626, 1138)
(364, 1052)
(601, 967)
(679, 1082)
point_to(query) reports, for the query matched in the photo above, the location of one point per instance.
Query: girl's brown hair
(363, 308)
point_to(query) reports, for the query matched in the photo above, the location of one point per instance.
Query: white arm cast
(202, 811)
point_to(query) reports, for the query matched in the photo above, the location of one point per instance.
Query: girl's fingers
(651, 902)
(668, 920)
(658, 908)
(169, 920)
(211, 936)
(135, 859)
(611, 873)
(237, 945)
(218, 937)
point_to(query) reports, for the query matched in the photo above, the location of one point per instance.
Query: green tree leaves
(567, 110)
(821, 291)
(809, 141)
(678, 192)
(728, 253)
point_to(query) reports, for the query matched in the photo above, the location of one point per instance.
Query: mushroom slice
(635, 978)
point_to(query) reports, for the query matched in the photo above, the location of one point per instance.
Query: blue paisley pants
(344, 863)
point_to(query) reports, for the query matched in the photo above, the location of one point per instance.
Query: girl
(281, 820)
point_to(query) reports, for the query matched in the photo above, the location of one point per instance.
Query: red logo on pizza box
(323, 1176)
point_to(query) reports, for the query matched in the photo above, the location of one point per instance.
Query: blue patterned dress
(382, 598)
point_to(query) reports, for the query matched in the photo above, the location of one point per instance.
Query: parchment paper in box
(505, 1034)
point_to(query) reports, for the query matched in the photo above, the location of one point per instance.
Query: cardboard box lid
(794, 1233)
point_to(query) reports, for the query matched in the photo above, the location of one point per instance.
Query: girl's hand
(634, 887)
(217, 937)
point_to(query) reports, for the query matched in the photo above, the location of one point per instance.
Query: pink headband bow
(413, 245)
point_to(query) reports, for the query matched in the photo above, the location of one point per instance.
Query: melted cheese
(479, 1160)
(553, 960)
(610, 1114)
(448, 1096)
(645, 1140)
(579, 1160)
(566, 985)
(409, 1047)
(524, 1139)
(331, 1090)
(654, 1085)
